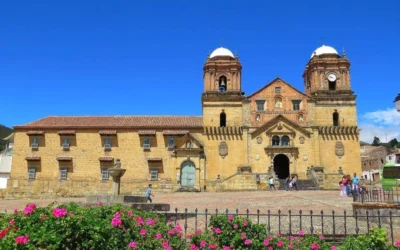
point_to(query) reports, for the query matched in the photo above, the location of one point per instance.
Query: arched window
(285, 140)
(278, 102)
(222, 84)
(275, 140)
(335, 118)
(258, 118)
(222, 119)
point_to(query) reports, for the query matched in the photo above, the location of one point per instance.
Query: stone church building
(237, 144)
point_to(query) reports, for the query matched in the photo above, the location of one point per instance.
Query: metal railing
(334, 226)
(375, 195)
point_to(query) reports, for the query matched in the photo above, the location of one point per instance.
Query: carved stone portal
(223, 149)
(339, 149)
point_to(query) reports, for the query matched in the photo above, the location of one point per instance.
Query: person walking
(287, 182)
(294, 182)
(271, 183)
(149, 193)
(355, 180)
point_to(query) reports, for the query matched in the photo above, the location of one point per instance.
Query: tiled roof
(154, 158)
(106, 122)
(66, 132)
(106, 158)
(175, 132)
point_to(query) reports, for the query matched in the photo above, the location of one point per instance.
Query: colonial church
(237, 144)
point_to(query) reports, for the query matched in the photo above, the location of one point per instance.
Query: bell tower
(327, 84)
(222, 96)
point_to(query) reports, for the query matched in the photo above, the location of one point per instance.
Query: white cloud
(384, 124)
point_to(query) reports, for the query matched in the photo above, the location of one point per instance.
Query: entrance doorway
(281, 166)
(188, 174)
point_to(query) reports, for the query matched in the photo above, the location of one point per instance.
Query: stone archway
(281, 166)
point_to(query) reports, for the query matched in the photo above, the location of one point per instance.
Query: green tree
(376, 141)
(393, 143)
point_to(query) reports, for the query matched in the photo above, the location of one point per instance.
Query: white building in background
(393, 159)
(6, 161)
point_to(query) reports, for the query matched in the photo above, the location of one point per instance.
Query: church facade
(237, 144)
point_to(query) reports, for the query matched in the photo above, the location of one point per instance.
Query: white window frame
(66, 143)
(105, 171)
(147, 143)
(63, 173)
(107, 143)
(153, 174)
(35, 141)
(31, 173)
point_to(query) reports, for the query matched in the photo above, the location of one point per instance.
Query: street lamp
(397, 102)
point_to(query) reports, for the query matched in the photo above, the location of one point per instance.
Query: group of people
(350, 185)
(290, 184)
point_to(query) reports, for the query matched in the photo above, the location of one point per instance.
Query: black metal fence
(377, 195)
(334, 226)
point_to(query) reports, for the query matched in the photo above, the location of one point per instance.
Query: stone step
(301, 185)
(187, 189)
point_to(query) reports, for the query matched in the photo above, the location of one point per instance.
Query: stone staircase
(301, 185)
(187, 189)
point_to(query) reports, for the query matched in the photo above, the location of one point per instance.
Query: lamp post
(397, 102)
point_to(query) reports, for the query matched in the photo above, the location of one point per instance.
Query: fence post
(258, 216)
(195, 220)
(356, 229)
(205, 226)
(269, 221)
(322, 222)
(391, 227)
(185, 226)
(345, 223)
(279, 222)
(311, 222)
(290, 222)
(300, 213)
(176, 215)
(333, 224)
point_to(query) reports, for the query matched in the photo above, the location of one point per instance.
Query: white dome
(324, 50)
(221, 52)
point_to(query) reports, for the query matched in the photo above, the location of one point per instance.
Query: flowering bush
(119, 227)
(75, 227)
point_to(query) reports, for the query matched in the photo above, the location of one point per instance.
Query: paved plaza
(262, 200)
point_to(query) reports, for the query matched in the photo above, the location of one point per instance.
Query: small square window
(296, 104)
(154, 174)
(278, 90)
(31, 173)
(66, 143)
(107, 143)
(260, 105)
(63, 173)
(105, 174)
(171, 142)
(146, 144)
(35, 143)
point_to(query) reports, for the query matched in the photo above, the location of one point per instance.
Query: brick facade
(235, 133)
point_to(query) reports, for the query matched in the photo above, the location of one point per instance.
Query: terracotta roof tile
(108, 132)
(66, 132)
(32, 158)
(64, 158)
(106, 158)
(146, 132)
(175, 132)
(154, 158)
(31, 132)
(107, 122)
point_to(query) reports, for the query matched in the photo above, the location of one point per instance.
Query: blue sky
(146, 57)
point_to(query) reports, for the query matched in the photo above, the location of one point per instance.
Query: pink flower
(270, 237)
(225, 248)
(290, 245)
(169, 222)
(171, 232)
(248, 242)
(280, 243)
(243, 236)
(212, 246)
(28, 210)
(315, 246)
(168, 248)
(132, 244)
(198, 231)
(116, 222)
(178, 228)
(129, 213)
(4, 232)
(193, 247)
(270, 248)
(150, 222)
(99, 203)
(165, 243)
(218, 231)
(291, 238)
(140, 220)
(117, 215)
(321, 237)
(334, 248)
(158, 236)
(59, 212)
(15, 211)
(245, 223)
(301, 233)
(11, 222)
(266, 242)
(22, 240)
(143, 232)
(397, 244)
(235, 226)
(203, 243)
